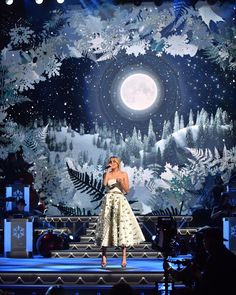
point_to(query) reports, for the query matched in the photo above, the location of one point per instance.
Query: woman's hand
(119, 180)
(123, 182)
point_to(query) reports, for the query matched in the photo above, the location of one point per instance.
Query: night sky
(86, 91)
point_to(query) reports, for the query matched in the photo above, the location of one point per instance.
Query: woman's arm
(105, 178)
(124, 182)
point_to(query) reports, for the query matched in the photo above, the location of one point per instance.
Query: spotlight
(9, 2)
(39, 1)
(60, 1)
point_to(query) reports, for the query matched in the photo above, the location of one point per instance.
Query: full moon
(138, 92)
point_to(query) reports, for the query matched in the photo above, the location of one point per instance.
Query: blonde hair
(116, 159)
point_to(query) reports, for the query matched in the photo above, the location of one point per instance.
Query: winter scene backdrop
(153, 85)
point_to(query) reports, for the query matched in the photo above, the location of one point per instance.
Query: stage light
(39, 1)
(60, 1)
(9, 2)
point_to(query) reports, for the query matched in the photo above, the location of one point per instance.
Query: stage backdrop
(154, 85)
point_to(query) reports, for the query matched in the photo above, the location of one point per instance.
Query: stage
(78, 274)
(79, 269)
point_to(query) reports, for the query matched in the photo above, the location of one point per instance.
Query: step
(92, 246)
(93, 218)
(182, 231)
(55, 230)
(90, 236)
(110, 254)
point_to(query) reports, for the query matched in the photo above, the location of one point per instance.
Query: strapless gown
(117, 225)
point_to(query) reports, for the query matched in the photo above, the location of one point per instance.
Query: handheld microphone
(108, 166)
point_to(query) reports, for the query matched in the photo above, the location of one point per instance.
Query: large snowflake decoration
(179, 45)
(20, 35)
(18, 232)
(26, 77)
(53, 67)
(139, 48)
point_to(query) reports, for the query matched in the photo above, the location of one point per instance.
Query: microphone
(108, 166)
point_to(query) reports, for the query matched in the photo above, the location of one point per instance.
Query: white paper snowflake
(137, 49)
(179, 45)
(18, 232)
(53, 67)
(20, 35)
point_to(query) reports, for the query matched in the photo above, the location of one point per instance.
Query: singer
(117, 225)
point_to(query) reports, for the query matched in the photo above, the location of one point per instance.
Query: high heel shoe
(123, 264)
(104, 264)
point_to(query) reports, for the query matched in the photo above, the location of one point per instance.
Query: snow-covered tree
(81, 129)
(189, 138)
(151, 135)
(71, 145)
(176, 122)
(181, 124)
(190, 119)
(166, 130)
(57, 159)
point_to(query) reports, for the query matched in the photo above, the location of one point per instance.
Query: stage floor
(80, 273)
(78, 265)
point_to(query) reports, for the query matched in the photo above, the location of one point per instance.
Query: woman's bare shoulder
(124, 173)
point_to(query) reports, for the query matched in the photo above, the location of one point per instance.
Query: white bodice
(110, 183)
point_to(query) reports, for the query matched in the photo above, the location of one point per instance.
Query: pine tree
(105, 146)
(169, 152)
(71, 145)
(144, 160)
(190, 119)
(133, 144)
(35, 123)
(99, 142)
(125, 156)
(81, 129)
(59, 125)
(94, 139)
(151, 135)
(159, 156)
(181, 125)
(64, 124)
(225, 118)
(200, 141)
(219, 117)
(90, 163)
(113, 138)
(80, 159)
(176, 122)
(189, 138)
(203, 117)
(212, 120)
(57, 159)
(166, 130)
(69, 128)
(85, 157)
(96, 127)
(139, 135)
(100, 160)
(145, 143)
(65, 147)
(198, 118)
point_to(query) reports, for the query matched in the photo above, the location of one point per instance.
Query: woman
(117, 225)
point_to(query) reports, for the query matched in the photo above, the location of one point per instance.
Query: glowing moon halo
(138, 91)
